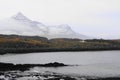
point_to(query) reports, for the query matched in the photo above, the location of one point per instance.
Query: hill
(27, 44)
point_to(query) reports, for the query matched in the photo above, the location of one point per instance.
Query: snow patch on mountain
(21, 25)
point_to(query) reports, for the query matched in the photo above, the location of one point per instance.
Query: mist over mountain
(21, 25)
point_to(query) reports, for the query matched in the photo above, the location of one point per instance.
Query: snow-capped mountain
(21, 25)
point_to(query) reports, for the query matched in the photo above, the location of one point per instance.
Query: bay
(90, 63)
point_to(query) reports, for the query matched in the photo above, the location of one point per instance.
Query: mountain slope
(21, 25)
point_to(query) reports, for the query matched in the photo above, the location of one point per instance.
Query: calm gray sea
(91, 63)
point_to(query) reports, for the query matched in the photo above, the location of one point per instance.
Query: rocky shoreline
(27, 75)
(9, 71)
(24, 67)
(18, 75)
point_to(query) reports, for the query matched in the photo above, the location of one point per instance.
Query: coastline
(24, 67)
(24, 51)
(22, 72)
(29, 44)
(28, 75)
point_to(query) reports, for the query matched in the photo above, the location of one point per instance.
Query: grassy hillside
(26, 44)
(14, 41)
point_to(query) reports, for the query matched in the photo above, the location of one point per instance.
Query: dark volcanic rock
(23, 67)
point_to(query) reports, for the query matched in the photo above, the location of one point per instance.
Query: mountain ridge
(21, 25)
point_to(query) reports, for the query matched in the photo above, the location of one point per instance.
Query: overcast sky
(96, 18)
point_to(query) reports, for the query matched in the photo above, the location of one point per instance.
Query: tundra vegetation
(27, 44)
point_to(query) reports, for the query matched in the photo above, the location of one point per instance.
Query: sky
(95, 18)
